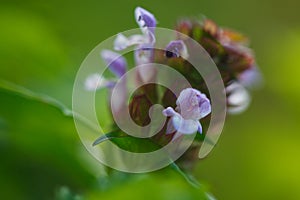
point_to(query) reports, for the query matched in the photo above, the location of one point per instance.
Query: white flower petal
(184, 126)
(238, 98)
(122, 42)
(95, 82)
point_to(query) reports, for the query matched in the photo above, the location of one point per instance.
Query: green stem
(191, 180)
(28, 94)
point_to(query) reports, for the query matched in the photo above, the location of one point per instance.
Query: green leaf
(109, 136)
(129, 143)
(141, 145)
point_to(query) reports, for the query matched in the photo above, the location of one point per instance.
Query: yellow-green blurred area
(42, 44)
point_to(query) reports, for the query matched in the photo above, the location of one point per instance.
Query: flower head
(229, 50)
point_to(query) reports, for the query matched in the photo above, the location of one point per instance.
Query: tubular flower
(116, 64)
(147, 24)
(192, 105)
(143, 43)
(176, 48)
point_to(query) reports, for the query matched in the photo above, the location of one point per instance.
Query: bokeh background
(42, 44)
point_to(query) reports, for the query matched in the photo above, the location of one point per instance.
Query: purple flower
(251, 78)
(147, 23)
(144, 42)
(145, 20)
(116, 63)
(176, 48)
(192, 105)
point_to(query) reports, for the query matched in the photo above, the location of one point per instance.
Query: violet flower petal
(177, 48)
(145, 20)
(169, 112)
(251, 78)
(204, 105)
(116, 63)
(193, 104)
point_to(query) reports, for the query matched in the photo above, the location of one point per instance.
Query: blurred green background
(42, 44)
